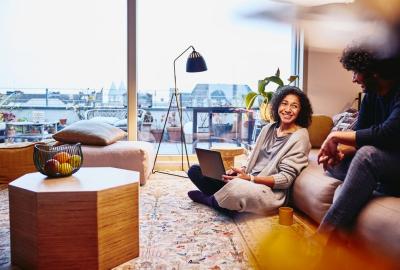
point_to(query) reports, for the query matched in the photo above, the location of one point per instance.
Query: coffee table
(85, 221)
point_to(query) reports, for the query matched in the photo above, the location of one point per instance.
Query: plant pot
(265, 112)
(157, 133)
(174, 134)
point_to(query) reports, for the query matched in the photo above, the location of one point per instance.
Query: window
(238, 51)
(61, 61)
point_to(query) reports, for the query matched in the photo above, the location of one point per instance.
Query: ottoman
(15, 160)
(130, 155)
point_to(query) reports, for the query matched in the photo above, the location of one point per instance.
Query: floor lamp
(195, 63)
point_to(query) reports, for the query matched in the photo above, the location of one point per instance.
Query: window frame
(297, 65)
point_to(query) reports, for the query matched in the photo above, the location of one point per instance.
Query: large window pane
(238, 51)
(61, 61)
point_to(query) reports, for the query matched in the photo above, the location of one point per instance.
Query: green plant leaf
(269, 95)
(278, 73)
(275, 79)
(261, 86)
(292, 78)
(250, 98)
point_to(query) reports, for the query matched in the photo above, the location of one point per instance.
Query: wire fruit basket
(57, 161)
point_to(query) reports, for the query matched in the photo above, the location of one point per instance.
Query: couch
(16, 159)
(378, 225)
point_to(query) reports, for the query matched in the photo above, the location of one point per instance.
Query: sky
(80, 44)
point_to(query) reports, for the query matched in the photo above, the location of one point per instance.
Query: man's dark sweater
(378, 122)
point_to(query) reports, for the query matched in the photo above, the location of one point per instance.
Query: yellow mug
(286, 216)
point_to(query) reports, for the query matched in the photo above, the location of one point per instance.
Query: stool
(228, 154)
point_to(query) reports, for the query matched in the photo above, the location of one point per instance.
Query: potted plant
(147, 121)
(266, 96)
(174, 130)
(157, 131)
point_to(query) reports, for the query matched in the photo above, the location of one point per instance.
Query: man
(368, 158)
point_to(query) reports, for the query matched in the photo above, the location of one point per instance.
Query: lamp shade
(195, 63)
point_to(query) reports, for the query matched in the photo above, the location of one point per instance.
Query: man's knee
(367, 154)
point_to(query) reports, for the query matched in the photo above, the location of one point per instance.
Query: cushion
(313, 190)
(345, 120)
(130, 155)
(90, 132)
(379, 225)
(320, 127)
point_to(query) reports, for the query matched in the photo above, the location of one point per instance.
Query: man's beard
(371, 85)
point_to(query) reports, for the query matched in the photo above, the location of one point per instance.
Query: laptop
(210, 163)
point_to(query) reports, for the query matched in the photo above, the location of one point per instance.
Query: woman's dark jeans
(205, 184)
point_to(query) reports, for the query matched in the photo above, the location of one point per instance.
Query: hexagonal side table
(85, 221)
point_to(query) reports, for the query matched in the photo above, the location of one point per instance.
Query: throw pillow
(345, 120)
(90, 133)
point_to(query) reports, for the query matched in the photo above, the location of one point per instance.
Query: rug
(4, 229)
(175, 233)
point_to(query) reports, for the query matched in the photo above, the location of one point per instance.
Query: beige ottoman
(130, 155)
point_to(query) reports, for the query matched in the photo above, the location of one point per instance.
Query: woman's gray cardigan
(292, 158)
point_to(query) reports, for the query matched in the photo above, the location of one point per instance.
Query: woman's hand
(235, 173)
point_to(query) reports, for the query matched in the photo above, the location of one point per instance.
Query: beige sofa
(16, 159)
(377, 226)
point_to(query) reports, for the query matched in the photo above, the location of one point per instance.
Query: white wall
(328, 85)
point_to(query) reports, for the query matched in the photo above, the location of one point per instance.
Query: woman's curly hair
(306, 111)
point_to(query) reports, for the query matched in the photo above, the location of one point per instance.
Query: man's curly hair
(359, 59)
(306, 111)
(366, 60)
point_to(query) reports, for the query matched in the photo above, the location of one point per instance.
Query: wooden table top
(86, 179)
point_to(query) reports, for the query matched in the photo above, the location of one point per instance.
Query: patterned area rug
(176, 233)
(4, 229)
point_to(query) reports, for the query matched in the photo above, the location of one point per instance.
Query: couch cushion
(379, 225)
(90, 132)
(130, 155)
(313, 189)
(320, 127)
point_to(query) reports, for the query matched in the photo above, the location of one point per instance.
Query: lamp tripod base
(170, 173)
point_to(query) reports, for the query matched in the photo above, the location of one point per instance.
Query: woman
(280, 154)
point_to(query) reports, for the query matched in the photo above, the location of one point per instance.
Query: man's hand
(328, 154)
(235, 173)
